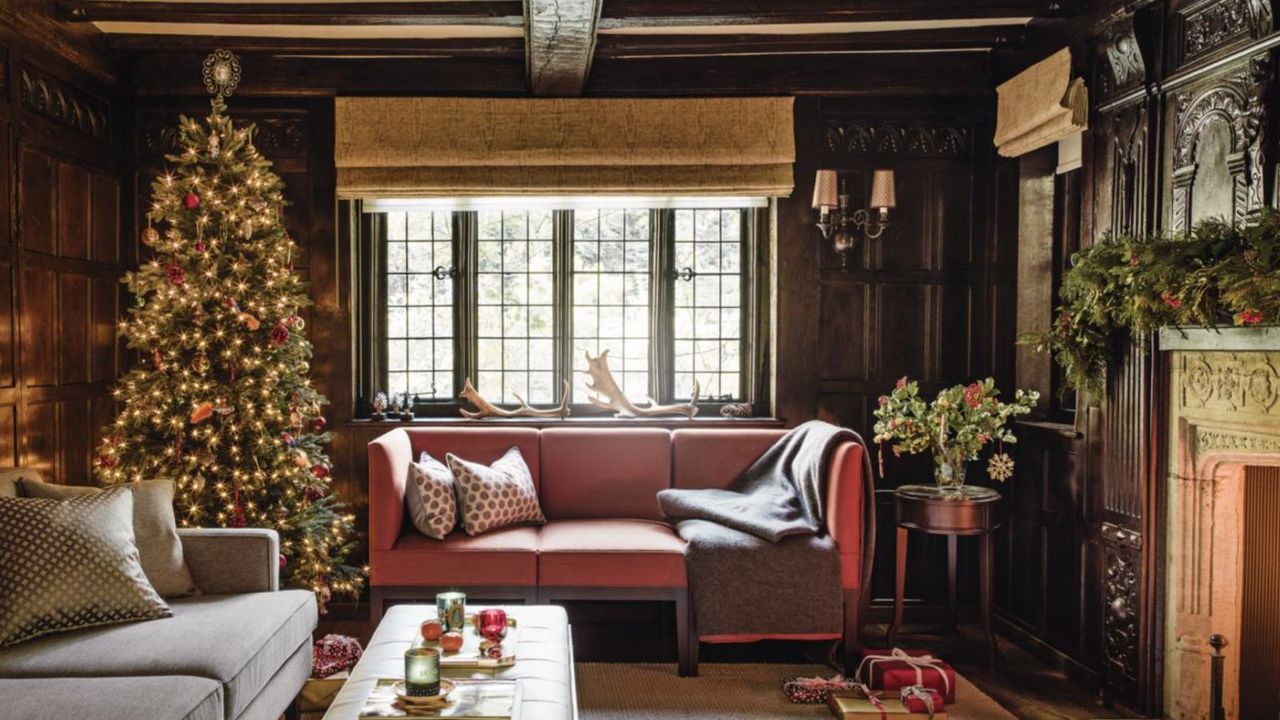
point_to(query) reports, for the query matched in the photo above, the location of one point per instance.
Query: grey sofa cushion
(154, 527)
(9, 485)
(239, 640)
(282, 689)
(156, 697)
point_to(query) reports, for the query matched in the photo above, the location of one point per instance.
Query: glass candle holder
(451, 608)
(422, 672)
(492, 623)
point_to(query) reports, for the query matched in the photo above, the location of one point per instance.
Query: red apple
(432, 630)
(451, 641)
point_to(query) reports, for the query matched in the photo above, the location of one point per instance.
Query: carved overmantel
(1223, 416)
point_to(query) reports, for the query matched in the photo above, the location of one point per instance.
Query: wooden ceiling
(560, 39)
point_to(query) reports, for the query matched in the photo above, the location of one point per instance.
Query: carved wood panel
(1209, 28)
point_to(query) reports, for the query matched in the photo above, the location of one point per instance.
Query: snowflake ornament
(1000, 467)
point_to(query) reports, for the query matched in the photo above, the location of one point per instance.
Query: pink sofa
(605, 537)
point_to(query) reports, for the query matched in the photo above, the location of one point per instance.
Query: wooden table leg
(899, 586)
(952, 595)
(985, 561)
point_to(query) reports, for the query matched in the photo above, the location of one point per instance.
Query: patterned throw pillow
(70, 564)
(433, 505)
(155, 530)
(496, 495)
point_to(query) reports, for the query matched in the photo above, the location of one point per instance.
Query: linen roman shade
(1040, 105)
(459, 147)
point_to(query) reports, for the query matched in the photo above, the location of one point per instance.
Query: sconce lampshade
(882, 195)
(824, 189)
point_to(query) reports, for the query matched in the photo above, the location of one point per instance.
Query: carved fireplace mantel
(1223, 416)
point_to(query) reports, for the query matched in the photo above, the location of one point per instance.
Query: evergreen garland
(1218, 273)
(220, 398)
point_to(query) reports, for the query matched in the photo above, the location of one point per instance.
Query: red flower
(1064, 320)
(1249, 317)
(984, 438)
(973, 395)
(1133, 260)
(279, 334)
(1171, 300)
(902, 383)
(191, 201)
(884, 400)
(175, 273)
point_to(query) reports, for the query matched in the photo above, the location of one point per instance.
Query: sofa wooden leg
(376, 608)
(852, 629)
(686, 636)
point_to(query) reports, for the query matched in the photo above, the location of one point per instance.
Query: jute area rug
(651, 691)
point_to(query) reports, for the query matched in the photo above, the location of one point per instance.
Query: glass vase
(949, 468)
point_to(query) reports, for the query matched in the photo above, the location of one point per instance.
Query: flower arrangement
(956, 426)
(1216, 274)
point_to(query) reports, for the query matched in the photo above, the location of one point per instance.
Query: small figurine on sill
(406, 410)
(379, 407)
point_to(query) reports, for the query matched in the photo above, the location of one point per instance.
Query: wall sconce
(837, 222)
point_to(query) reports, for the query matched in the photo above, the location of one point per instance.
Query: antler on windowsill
(603, 392)
(485, 409)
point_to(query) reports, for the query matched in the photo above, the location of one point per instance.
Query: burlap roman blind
(1040, 105)
(452, 147)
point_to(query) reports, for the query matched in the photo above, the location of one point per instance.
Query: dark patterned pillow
(70, 564)
(496, 495)
(433, 504)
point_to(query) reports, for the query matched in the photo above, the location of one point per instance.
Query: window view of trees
(530, 291)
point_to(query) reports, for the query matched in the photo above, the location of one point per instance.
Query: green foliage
(219, 399)
(959, 423)
(1216, 273)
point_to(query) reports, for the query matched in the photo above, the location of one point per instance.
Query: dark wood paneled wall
(1182, 128)
(61, 130)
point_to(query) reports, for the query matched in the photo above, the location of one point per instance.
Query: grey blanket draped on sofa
(759, 559)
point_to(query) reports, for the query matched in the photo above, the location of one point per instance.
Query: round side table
(968, 511)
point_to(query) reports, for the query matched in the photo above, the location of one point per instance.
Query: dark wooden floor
(645, 632)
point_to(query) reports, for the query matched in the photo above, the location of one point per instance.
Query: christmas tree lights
(220, 399)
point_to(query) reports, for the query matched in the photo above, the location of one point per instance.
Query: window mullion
(464, 304)
(562, 259)
(662, 315)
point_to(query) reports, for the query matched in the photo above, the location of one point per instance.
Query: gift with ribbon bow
(863, 703)
(895, 669)
(920, 699)
(813, 690)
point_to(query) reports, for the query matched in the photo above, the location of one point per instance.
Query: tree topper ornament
(221, 73)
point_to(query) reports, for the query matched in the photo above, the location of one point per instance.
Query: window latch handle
(441, 272)
(685, 273)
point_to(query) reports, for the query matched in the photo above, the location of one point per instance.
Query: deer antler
(485, 409)
(603, 392)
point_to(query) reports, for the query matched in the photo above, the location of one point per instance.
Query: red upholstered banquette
(605, 536)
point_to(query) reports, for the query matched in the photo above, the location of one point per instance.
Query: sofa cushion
(164, 697)
(610, 553)
(432, 500)
(241, 641)
(155, 529)
(496, 495)
(715, 458)
(11, 478)
(501, 557)
(593, 473)
(70, 564)
(479, 444)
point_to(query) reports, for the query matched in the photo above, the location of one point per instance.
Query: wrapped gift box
(892, 670)
(318, 693)
(919, 699)
(856, 707)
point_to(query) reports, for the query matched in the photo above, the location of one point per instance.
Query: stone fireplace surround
(1223, 415)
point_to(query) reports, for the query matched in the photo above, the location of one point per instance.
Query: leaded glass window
(708, 301)
(420, 306)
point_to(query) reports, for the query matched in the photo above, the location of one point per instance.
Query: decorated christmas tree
(219, 398)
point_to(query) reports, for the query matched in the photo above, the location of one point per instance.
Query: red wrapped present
(897, 668)
(334, 653)
(862, 702)
(920, 699)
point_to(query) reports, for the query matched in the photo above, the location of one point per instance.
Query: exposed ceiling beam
(354, 48)
(560, 39)
(658, 46)
(410, 12)
(660, 13)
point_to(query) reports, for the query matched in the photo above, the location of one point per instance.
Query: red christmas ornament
(191, 201)
(279, 334)
(283, 561)
(238, 519)
(319, 423)
(320, 471)
(199, 246)
(105, 461)
(313, 493)
(175, 273)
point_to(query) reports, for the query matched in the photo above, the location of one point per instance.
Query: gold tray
(469, 656)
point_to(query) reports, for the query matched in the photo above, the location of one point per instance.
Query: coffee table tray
(469, 657)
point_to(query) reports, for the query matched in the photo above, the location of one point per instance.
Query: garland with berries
(1216, 274)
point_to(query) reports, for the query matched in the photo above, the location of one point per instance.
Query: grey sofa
(239, 650)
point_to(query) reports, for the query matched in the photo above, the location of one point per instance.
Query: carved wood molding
(276, 136)
(46, 96)
(911, 139)
(1121, 586)
(1122, 66)
(1127, 130)
(1214, 24)
(1238, 101)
